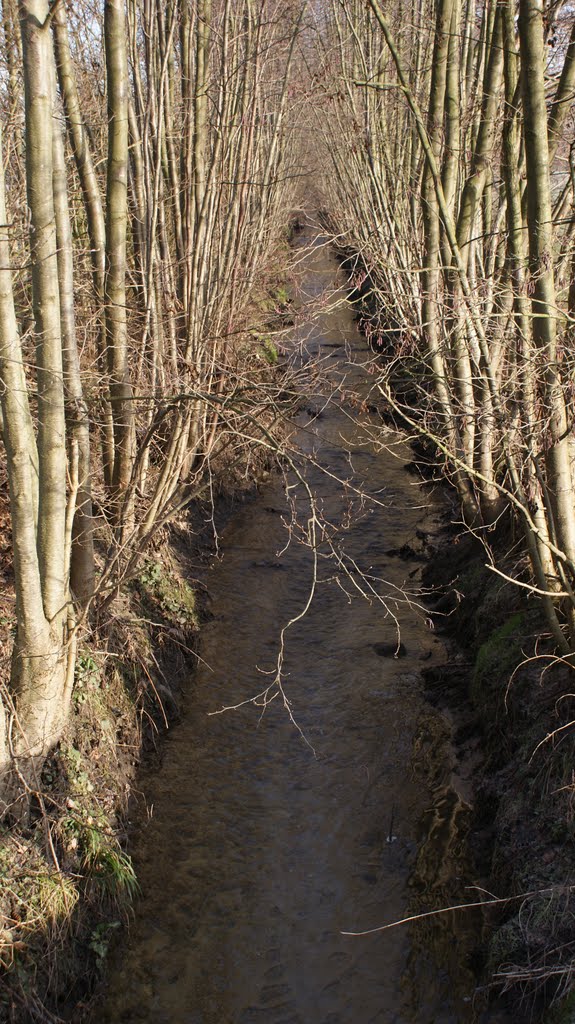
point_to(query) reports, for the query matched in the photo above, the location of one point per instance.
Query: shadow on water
(260, 851)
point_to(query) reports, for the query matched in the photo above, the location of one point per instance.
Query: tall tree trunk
(121, 395)
(84, 159)
(544, 301)
(431, 276)
(518, 270)
(77, 419)
(41, 676)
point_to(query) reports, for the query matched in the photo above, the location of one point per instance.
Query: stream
(337, 807)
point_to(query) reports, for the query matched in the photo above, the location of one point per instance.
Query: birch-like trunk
(431, 276)
(41, 676)
(521, 303)
(85, 166)
(77, 418)
(121, 395)
(541, 255)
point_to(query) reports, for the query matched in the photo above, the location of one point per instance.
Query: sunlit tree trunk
(431, 276)
(518, 269)
(41, 675)
(121, 394)
(84, 160)
(77, 420)
(544, 301)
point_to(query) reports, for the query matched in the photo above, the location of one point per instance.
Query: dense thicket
(149, 174)
(449, 129)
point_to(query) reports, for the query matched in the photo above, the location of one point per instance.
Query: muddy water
(268, 839)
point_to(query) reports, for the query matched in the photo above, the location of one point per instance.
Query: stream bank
(253, 851)
(67, 881)
(508, 692)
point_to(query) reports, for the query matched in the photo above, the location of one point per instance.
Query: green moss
(270, 351)
(267, 349)
(87, 679)
(168, 594)
(281, 296)
(275, 301)
(499, 654)
(77, 770)
(506, 945)
(475, 580)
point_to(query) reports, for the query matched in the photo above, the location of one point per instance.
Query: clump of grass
(91, 839)
(37, 908)
(113, 871)
(53, 898)
(87, 833)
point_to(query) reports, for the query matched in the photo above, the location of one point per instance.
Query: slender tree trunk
(82, 150)
(121, 395)
(518, 268)
(431, 276)
(77, 419)
(41, 671)
(544, 301)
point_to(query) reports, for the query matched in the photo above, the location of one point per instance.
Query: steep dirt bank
(508, 693)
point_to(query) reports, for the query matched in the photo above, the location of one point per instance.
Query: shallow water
(269, 836)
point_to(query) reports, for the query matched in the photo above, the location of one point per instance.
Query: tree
(41, 515)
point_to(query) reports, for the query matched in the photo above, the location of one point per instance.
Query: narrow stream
(260, 851)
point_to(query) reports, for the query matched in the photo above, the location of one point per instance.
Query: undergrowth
(67, 881)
